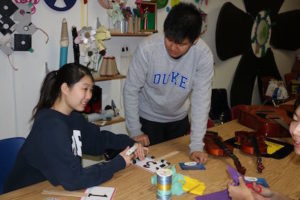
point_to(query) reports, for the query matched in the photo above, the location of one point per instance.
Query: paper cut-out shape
(6, 25)
(193, 186)
(24, 28)
(23, 14)
(7, 8)
(5, 44)
(31, 4)
(16, 26)
(152, 165)
(99, 193)
(22, 42)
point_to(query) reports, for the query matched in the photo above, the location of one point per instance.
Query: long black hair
(183, 21)
(70, 74)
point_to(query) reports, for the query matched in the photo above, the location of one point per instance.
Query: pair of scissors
(258, 187)
(235, 177)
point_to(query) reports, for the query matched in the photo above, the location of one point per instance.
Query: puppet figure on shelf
(91, 44)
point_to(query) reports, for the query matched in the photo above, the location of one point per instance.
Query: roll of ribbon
(164, 184)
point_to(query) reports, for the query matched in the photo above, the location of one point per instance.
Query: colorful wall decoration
(16, 27)
(253, 34)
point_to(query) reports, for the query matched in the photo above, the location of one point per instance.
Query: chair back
(9, 149)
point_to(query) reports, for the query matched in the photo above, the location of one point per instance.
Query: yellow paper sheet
(193, 186)
(273, 147)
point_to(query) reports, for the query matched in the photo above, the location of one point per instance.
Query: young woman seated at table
(242, 192)
(60, 135)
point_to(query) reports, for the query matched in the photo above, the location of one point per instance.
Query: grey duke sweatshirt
(158, 87)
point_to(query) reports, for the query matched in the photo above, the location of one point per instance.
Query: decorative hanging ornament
(6, 47)
(53, 4)
(7, 8)
(107, 4)
(32, 4)
(16, 27)
(101, 34)
(22, 18)
(22, 42)
(115, 13)
(23, 14)
(261, 34)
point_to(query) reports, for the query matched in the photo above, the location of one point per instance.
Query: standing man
(165, 71)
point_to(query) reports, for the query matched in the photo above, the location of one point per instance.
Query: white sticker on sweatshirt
(76, 143)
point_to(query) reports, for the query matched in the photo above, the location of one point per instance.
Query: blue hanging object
(69, 5)
(64, 43)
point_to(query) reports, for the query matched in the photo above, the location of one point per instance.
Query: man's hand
(143, 139)
(141, 151)
(199, 156)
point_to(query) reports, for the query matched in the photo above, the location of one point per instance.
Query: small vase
(130, 25)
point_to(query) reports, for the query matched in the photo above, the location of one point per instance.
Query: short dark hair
(70, 74)
(183, 21)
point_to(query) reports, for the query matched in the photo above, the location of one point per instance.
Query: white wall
(20, 89)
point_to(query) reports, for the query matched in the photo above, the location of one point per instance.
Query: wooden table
(135, 183)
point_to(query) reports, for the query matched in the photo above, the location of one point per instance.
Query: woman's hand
(258, 192)
(240, 192)
(262, 193)
(128, 159)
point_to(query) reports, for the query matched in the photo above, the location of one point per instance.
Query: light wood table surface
(134, 183)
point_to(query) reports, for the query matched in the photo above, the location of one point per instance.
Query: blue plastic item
(9, 149)
(191, 166)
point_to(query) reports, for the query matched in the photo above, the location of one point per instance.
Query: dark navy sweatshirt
(53, 149)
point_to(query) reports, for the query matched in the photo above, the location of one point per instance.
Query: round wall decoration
(253, 34)
(162, 3)
(69, 4)
(261, 34)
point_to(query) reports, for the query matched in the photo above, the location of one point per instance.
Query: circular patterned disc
(261, 34)
(69, 5)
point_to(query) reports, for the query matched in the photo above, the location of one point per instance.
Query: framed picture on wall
(148, 16)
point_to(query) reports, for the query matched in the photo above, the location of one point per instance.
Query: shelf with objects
(108, 70)
(141, 34)
(115, 120)
(133, 22)
(95, 114)
(98, 78)
(109, 115)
